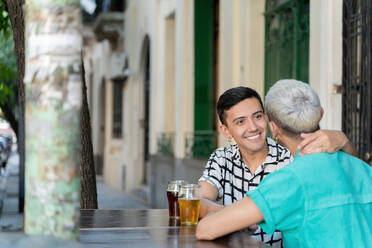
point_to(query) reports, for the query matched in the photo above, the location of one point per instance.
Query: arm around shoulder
(349, 148)
(326, 141)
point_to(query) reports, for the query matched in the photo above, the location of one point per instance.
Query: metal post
(21, 151)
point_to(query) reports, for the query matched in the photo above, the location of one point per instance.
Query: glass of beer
(189, 200)
(172, 194)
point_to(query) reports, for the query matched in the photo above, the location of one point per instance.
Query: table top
(148, 228)
(97, 218)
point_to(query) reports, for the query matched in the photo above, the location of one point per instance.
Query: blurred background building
(155, 69)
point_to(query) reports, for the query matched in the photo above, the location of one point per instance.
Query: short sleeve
(212, 173)
(281, 200)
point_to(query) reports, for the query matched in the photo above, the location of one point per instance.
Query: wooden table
(148, 228)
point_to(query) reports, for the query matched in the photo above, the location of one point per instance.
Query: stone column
(53, 101)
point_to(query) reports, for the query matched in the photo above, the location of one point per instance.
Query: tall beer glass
(189, 200)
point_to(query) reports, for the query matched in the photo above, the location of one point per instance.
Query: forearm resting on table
(239, 215)
(208, 206)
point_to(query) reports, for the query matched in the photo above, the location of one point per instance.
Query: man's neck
(291, 144)
(254, 159)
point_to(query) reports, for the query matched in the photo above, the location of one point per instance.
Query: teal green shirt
(319, 200)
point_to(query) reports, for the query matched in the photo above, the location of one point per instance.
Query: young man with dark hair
(318, 200)
(234, 170)
(232, 97)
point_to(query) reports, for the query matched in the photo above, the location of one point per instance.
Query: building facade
(177, 56)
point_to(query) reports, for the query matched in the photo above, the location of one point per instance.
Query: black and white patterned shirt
(232, 178)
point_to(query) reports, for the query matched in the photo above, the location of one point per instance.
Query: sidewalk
(109, 198)
(12, 221)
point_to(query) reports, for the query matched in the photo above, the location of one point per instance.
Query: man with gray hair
(319, 200)
(298, 108)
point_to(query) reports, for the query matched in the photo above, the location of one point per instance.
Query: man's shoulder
(322, 157)
(315, 163)
(225, 152)
(328, 158)
(223, 156)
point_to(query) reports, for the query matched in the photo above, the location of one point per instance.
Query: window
(287, 40)
(117, 109)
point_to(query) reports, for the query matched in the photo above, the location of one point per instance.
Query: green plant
(8, 64)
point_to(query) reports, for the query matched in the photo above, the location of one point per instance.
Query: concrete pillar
(53, 101)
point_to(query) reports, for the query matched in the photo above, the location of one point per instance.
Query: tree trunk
(16, 15)
(53, 102)
(88, 198)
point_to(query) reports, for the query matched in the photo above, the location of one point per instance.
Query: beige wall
(184, 83)
(169, 24)
(241, 50)
(101, 109)
(140, 22)
(171, 33)
(165, 63)
(96, 60)
(112, 171)
(326, 58)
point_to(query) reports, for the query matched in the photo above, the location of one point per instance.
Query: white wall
(241, 48)
(326, 58)
(184, 81)
(165, 64)
(98, 53)
(141, 21)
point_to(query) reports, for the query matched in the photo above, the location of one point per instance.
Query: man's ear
(273, 128)
(321, 113)
(225, 131)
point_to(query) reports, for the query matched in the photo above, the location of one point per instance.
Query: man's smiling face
(247, 124)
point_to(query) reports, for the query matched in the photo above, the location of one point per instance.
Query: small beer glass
(189, 200)
(172, 194)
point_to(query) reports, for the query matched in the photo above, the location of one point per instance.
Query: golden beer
(189, 211)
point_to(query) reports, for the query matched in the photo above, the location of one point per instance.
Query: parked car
(5, 149)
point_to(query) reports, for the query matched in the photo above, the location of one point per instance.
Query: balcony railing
(200, 144)
(165, 142)
(103, 6)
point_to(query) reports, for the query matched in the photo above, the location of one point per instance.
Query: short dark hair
(232, 97)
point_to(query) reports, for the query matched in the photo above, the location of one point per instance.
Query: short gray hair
(294, 106)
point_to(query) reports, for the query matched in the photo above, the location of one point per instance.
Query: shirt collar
(236, 155)
(238, 159)
(297, 154)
